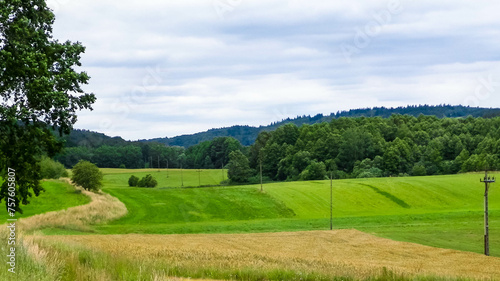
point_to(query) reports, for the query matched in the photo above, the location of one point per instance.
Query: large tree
(39, 89)
(238, 168)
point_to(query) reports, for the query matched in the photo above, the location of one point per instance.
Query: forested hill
(247, 135)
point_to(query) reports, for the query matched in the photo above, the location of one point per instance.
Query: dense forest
(247, 135)
(375, 147)
(346, 147)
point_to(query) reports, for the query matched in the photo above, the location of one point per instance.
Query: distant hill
(91, 139)
(247, 134)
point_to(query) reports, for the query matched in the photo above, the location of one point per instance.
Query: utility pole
(222, 169)
(182, 177)
(199, 177)
(487, 180)
(261, 189)
(158, 163)
(151, 162)
(331, 200)
(167, 167)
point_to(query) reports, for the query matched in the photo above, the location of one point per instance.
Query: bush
(315, 171)
(147, 181)
(419, 170)
(371, 173)
(50, 169)
(256, 179)
(122, 166)
(133, 181)
(87, 175)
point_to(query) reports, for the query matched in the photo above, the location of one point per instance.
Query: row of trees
(344, 147)
(372, 147)
(206, 155)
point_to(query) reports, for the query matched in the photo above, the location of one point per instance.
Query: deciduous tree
(39, 87)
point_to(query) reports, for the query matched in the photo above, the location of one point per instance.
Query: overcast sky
(166, 68)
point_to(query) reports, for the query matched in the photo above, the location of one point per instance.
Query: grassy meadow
(166, 177)
(58, 195)
(440, 211)
(241, 233)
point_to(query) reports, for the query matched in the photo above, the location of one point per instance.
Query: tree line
(206, 155)
(345, 148)
(247, 134)
(372, 147)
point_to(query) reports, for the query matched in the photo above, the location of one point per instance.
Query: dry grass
(334, 253)
(102, 208)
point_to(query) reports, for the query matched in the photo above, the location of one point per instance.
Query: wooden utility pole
(222, 170)
(158, 163)
(182, 178)
(331, 200)
(487, 180)
(199, 177)
(261, 188)
(167, 167)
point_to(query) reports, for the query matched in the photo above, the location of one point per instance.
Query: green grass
(166, 178)
(58, 195)
(441, 211)
(154, 206)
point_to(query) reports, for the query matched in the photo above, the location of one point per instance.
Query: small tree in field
(133, 180)
(87, 175)
(147, 181)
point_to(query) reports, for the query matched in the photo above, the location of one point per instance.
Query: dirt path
(102, 208)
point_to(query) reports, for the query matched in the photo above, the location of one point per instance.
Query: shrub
(50, 169)
(371, 173)
(315, 171)
(256, 179)
(87, 175)
(147, 181)
(133, 181)
(419, 170)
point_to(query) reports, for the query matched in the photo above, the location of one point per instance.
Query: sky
(167, 68)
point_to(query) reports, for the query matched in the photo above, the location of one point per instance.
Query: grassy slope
(443, 211)
(58, 195)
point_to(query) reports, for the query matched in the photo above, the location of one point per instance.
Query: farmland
(440, 211)
(239, 232)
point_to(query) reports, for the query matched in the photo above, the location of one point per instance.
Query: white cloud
(267, 60)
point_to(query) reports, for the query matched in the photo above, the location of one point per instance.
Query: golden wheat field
(334, 253)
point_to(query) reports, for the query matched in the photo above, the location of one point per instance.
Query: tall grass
(323, 255)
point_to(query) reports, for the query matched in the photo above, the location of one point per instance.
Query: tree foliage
(39, 87)
(375, 147)
(238, 168)
(133, 181)
(147, 181)
(50, 169)
(87, 175)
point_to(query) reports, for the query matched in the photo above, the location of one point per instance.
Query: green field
(166, 178)
(442, 211)
(58, 195)
(439, 211)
